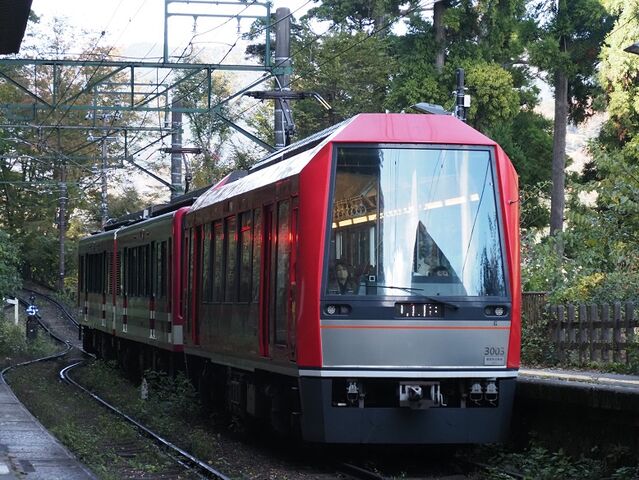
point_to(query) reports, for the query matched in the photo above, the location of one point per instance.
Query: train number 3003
(494, 351)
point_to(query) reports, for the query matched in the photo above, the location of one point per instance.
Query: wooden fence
(584, 334)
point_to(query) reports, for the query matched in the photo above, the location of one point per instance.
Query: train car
(360, 286)
(128, 301)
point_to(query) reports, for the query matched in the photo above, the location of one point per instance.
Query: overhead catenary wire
(95, 71)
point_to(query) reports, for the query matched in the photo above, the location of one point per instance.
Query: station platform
(592, 389)
(27, 450)
(602, 379)
(578, 411)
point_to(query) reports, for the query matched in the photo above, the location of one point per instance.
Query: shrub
(536, 347)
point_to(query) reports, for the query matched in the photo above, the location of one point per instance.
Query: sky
(136, 27)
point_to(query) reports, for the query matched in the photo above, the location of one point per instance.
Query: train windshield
(415, 221)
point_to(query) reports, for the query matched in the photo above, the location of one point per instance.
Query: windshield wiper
(411, 290)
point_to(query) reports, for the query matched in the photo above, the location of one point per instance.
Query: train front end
(418, 288)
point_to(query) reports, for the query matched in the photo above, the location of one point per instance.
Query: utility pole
(282, 60)
(104, 202)
(462, 101)
(104, 206)
(176, 147)
(63, 218)
(63, 224)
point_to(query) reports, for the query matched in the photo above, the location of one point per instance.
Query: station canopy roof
(13, 22)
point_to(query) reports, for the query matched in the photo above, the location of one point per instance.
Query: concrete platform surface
(27, 450)
(602, 379)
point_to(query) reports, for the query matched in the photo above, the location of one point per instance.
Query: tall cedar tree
(566, 46)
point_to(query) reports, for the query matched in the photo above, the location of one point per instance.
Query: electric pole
(62, 220)
(282, 60)
(176, 147)
(104, 206)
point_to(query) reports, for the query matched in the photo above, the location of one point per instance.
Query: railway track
(180, 455)
(185, 465)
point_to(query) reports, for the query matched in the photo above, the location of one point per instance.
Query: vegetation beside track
(173, 410)
(537, 462)
(110, 447)
(14, 346)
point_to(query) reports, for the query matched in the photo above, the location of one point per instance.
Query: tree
(361, 15)
(9, 266)
(349, 70)
(566, 47)
(209, 132)
(41, 166)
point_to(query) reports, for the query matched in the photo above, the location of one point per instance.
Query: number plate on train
(419, 310)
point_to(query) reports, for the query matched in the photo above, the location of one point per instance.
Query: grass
(14, 346)
(95, 436)
(538, 463)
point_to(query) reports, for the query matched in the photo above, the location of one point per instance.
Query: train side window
(152, 277)
(141, 269)
(246, 233)
(257, 253)
(147, 269)
(230, 294)
(144, 269)
(100, 282)
(89, 275)
(207, 279)
(283, 271)
(161, 270)
(109, 277)
(133, 272)
(118, 273)
(136, 271)
(218, 262)
(189, 275)
(81, 274)
(169, 270)
(125, 271)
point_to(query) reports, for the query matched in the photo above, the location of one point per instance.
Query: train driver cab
(415, 220)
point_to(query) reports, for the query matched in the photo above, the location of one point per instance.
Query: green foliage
(415, 79)
(349, 70)
(14, 344)
(176, 394)
(539, 463)
(495, 99)
(9, 266)
(209, 131)
(536, 350)
(568, 38)
(358, 15)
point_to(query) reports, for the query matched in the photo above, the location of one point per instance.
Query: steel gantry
(44, 101)
(114, 85)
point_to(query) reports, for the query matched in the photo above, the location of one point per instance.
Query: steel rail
(195, 462)
(360, 472)
(62, 307)
(41, 359)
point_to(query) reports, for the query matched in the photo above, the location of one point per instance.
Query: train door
(266, 304)
(277, 338)
(292, 293)
(194, 275)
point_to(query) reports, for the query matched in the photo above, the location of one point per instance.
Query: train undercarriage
(343, 410)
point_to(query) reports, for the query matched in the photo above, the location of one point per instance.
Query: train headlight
(496, 311)
(331, 309)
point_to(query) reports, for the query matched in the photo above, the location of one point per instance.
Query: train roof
(363, 128)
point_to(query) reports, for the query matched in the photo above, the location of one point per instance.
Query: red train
(359, 286)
